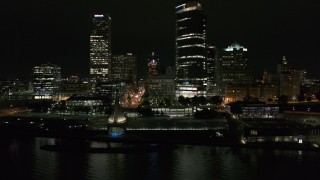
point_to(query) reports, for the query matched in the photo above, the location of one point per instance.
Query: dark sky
(57, 31)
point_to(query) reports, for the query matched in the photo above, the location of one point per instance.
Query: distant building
(290, 80)
(90, 105)
(46, 81)
(100, 49)
(302, 75)
(124, 68)
(262, 92)
(73, 86)
(191, 49)
(16, 90)
(111, 88)
(234, 66)
(245, 110)
(212, 71)
(153, 65)
(284, 66)
(161, 85)
(290, 84)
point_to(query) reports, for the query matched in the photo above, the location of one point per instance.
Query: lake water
(21, 158)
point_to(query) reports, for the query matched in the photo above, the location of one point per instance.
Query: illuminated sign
(98, 15)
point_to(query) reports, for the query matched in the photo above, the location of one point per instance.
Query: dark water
(21, 158)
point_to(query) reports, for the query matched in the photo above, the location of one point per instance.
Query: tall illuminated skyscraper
(191, 52)
(100, 49)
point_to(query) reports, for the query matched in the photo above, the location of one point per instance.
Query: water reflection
(21, 158)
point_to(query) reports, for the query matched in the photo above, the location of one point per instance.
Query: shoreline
(195, 141)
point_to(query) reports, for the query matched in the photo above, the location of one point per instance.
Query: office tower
(191, 51)
(153, 65)
(100, 50)
(46, 81)
(124, 68)
(234, 66)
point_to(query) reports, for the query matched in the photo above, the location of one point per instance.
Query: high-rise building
(100, 49)
(153, 65)
(191, 49)
(124, 68)
(234, 66)
(212, 73)
(46, 81)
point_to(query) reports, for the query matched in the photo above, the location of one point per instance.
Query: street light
(234, 96)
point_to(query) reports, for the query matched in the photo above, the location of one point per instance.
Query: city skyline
(58, 33)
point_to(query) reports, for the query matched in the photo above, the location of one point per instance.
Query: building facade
(234, 66)
(262, 92)
(46, 81)
(290, 80)
(191, 49)
(124, 67)
(212, 71)
(73, 86)
(290, 84)
(100, 49)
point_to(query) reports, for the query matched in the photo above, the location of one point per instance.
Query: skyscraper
(191, 52)
(212, 87)
(100, 49)
(124, 67)
(234, 66)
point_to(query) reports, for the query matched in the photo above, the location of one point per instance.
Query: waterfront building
(173, 112)
(86, 104)
(100, 50)
(191, 49)
(124, 68)
(253, 110)
(46, 80)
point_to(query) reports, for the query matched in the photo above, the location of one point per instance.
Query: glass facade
(191, 49)
(124, 68)
(100, 49)
(234, 66)
(46, 81)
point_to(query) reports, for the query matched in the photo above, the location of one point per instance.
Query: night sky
(57, 31)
